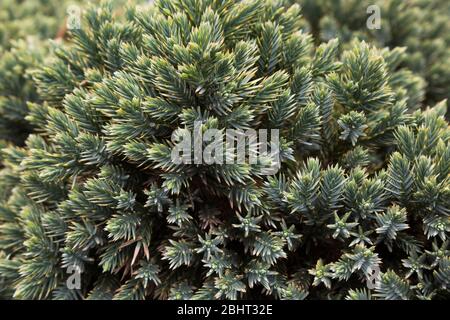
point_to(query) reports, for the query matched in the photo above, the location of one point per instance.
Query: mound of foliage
(24, 27)
(363, 184)
(422, 27)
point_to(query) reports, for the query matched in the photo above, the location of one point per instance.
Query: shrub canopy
(363, 185)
